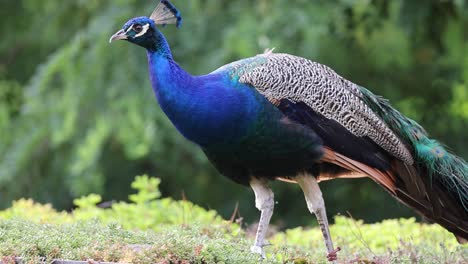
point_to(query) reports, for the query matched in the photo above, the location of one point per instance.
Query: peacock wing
(284, 76)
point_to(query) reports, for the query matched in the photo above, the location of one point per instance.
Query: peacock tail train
(430, 155)
(446, 197)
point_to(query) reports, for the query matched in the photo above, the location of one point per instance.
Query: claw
(332, 256)
(258, 250)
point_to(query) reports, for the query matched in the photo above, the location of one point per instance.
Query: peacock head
(143, 31)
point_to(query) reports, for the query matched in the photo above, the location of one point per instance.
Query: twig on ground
(359, 236)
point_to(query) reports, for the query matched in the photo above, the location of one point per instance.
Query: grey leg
(264, 201)
(316, 205)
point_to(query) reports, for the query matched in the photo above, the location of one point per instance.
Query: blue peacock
(281, 117)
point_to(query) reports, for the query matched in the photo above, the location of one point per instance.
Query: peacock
(281, 117)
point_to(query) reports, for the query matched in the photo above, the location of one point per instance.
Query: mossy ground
(153, 230)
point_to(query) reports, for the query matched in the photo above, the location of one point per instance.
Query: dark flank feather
(260, 153)
(337, 137)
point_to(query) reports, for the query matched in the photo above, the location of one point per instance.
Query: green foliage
(147, 210)
(77, 116)
(133, 233)
(147, 189)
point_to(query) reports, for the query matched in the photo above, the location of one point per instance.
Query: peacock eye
(137, 28)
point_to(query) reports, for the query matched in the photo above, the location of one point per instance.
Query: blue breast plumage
(241, 132)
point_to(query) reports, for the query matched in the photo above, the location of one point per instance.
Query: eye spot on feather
(438, 152)
(417, 134)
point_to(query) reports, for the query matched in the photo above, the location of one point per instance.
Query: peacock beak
(121, 34)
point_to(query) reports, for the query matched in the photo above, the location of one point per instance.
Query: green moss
(94, 240)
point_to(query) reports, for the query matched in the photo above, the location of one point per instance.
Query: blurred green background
(78, 115)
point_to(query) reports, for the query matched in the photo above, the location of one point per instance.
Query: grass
(154, 230)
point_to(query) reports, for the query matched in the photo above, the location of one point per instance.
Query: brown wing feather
(327, 176)
(385, 179)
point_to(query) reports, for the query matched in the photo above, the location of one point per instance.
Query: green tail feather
(442, 165)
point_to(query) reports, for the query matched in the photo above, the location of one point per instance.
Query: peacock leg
(316, 205)
(264, 201)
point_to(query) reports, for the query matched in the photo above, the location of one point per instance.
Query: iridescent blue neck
(168, 79)
(208, 109)
(173, 86)
(157, 44)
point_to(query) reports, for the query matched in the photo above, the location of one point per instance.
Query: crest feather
(166, 13)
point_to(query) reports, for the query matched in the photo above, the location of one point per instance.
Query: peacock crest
(166, 13)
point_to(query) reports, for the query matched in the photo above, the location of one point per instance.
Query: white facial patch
(128, 29)
(143, 31)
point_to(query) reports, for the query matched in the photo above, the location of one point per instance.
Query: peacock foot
(332, 256)
(258, 250)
